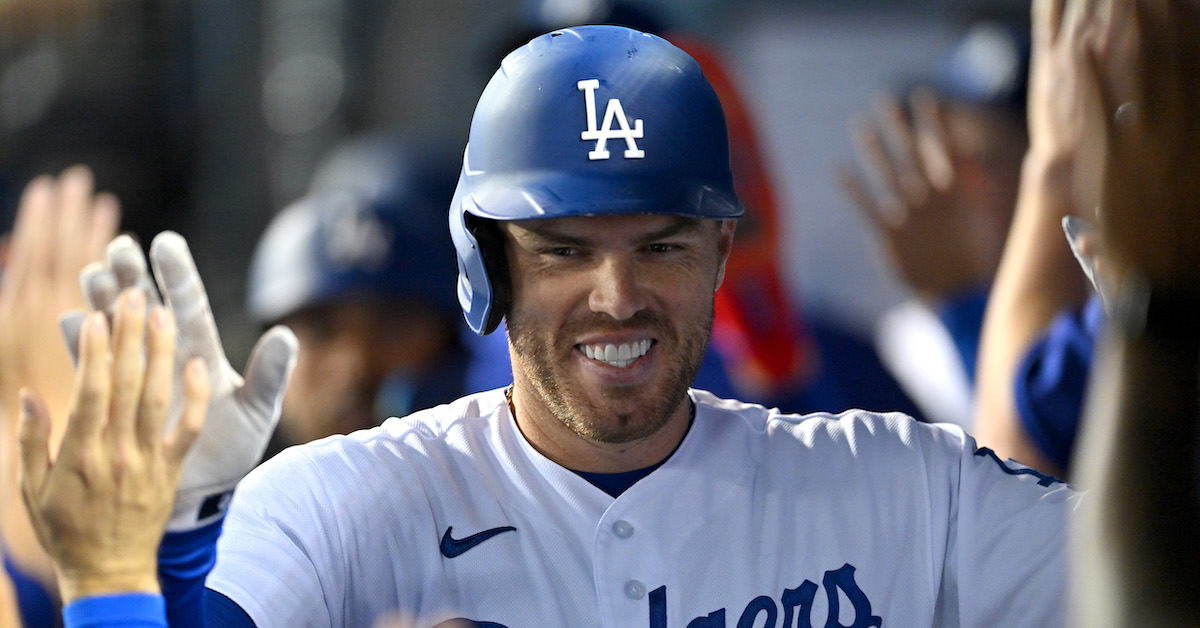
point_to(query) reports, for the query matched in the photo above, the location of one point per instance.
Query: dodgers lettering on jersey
(794, 606)
(758, 519)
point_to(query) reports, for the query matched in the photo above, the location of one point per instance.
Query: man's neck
(551, 437)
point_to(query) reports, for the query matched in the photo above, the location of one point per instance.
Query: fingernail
(27, 406)
(196, 368)
(135, 301)
(96, 323)
(159, 318)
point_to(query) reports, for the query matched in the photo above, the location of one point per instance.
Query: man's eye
(562, 251)
(662, 247)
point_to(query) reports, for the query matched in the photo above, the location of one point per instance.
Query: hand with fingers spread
(61, 225)
(243, 412)
(937, 180)
(99, 506)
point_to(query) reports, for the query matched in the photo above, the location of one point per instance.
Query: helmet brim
(549, 195)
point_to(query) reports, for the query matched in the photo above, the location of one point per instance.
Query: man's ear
(725, 232)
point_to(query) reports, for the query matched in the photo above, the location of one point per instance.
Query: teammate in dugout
(594, 212)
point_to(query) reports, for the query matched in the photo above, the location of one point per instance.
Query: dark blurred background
(206, 117)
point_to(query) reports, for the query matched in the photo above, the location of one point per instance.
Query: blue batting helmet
(584, 121)
(370, 226)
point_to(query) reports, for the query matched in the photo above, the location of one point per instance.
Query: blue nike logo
(452, 547)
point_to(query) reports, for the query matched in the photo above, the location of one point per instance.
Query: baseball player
(594, 212)
(361, 270)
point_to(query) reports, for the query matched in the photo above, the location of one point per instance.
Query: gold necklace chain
(508, 393)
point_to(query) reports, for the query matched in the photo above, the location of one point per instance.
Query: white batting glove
(243, 412)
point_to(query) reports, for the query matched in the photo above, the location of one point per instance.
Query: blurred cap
(372, 226)
(989, 67)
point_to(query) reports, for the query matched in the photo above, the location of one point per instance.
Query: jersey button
(635, 590)
(623, 529)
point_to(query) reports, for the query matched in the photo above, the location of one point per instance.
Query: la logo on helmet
(606, 132)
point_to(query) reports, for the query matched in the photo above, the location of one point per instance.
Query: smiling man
(595, 212)
(608, 325)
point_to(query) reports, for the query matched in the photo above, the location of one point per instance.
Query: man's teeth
(619, 356)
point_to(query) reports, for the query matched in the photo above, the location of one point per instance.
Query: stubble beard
(538, 358)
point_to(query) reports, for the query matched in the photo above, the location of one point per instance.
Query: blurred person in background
(939, 169)
(61, 225)
(362, 271)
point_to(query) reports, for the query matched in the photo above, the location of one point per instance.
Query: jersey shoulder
(400, 445)
(850, 429)
(854, 447)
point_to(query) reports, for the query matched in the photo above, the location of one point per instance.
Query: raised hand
(943, 236)
(1145, 88)
(243, 412)
(1038, 277)
(1137, 535)
(61, 225)
(99, 506)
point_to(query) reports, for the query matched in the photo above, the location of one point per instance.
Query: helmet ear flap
(495, 263)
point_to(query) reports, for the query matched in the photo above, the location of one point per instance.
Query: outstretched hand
(1135, 537)
(1145, 89)
(243, 411)
(100, 505)
(910, 185)
(61, 225)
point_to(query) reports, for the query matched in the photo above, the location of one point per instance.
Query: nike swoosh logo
(452, 547)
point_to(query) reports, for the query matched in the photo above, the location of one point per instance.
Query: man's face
(347, 349)
(611, 315)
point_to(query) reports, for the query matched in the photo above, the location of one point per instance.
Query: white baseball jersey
(758, 519)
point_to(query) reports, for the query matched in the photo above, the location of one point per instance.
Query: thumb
(180, 284)
(268, 370)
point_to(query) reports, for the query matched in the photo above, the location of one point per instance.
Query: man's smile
(621, 355)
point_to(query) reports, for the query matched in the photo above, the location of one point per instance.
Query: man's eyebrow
(548, 233)
(682, 226)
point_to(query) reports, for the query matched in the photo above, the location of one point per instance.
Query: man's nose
(616, 290)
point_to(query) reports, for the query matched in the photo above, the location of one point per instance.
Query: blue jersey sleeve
(1050, 381)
